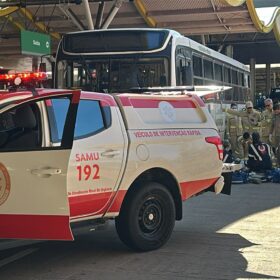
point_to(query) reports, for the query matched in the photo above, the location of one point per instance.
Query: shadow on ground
(195, 251)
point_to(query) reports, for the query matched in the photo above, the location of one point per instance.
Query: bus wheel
(147, 217)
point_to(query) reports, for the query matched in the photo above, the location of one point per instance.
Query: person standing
(233, 129)
(250, 119)
(267, 116)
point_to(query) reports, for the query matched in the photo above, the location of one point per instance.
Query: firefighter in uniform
(243, 143)
(233, 130)
(274, 135)
(267, 117)
(250, 119)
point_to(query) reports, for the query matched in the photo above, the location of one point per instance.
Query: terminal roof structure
(217, 23)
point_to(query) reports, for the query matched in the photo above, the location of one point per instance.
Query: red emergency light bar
(36, 76)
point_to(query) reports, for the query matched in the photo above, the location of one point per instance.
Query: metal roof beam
(70, 14)
(205, 23)
(116, 6)
(88, 15)
(215, 30)
(40, 2)
(206, 11)
(99, 15)
(41, 26)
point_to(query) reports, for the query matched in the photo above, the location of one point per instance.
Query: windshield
(112, 74)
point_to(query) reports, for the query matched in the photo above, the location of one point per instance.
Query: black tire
(147, 217)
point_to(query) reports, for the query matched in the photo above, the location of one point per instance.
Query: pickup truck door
(33, 194)
(98, 156)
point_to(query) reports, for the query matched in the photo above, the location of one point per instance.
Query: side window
(183, 67)
(227, 75)
(234, 77)
(57, 111)
(197, 66)
(91, 119)
(218, 72)
(208, 69)
(20, 128)
(241, 79)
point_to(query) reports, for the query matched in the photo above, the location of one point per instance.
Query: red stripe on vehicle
(88, 203)
(193, 187)
(117, 203)
(154, 103)
(95, 204)
(48, 227)
(105, 99)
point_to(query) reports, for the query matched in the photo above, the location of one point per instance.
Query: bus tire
(147, 217)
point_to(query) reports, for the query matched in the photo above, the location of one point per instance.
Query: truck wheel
(147, 217)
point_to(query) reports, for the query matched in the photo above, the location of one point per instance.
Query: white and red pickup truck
(67, 157)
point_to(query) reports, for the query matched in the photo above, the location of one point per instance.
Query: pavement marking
(17, 256)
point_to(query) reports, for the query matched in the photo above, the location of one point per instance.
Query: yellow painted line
(7, 11)
(143, 12)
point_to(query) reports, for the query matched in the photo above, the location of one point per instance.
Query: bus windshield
(112, 74)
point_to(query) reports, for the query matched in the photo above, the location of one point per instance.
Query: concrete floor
(220, 237)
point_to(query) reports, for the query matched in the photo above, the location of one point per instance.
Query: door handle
(110, 153)
(48, 171)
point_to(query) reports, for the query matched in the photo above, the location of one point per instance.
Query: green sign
(35, 43)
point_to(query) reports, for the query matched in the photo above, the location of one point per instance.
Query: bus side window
(183, 73)
(208, 69)
(227, 75)
(197, 66)
(183, 67)
(234, 77)
(218, 72)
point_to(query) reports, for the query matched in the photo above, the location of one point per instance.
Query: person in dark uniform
(259, 155)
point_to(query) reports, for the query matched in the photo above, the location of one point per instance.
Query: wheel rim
(150, 216)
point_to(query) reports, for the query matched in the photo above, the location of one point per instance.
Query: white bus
(116, 60)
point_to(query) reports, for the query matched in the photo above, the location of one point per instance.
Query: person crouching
(259, 155)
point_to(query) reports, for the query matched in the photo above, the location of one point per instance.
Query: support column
(274, 80)
(229, 51)
(253, 79)
(34, 63)
(99, 16)
(88, 15)
(203, 41)
(268, 80)
(116, 6)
